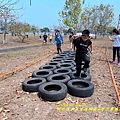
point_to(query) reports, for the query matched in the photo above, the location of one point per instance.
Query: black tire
(42, 73)
(52, 63)
(57, 60)
(48, 67)
(69, 58)
(71, 55)
(83, 76)
(52, 91)
(74, 70)
(69, 61)
(63, 55)
(58, 57)
(58, 78)
(80, 88)
(63, 71)
(65, 65)
(65, 52)
(31, 85)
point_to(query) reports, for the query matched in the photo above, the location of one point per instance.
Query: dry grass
(16, 104)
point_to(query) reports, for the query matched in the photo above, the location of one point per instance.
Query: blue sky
(44, 13)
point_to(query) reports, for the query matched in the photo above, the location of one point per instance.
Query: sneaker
(80, 75)
(113, 61)
(86, 73)
(119, 64)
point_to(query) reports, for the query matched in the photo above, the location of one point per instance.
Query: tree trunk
(4, 37)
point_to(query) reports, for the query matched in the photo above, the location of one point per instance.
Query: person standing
(71, 37)
(82, 53)
(44, 38)
(116, 45)
(40, 36)
(50, 37)
(58, 40)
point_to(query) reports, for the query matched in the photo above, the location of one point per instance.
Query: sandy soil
(15, 104)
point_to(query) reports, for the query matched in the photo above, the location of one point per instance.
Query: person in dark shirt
(71, 37)
(45, 38)
(82, 52)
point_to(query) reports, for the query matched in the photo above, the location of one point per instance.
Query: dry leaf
(1, 109)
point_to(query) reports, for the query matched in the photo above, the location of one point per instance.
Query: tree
(33, 29)
(97, 18)
(71, 13)
(6, 15)
(45, 29)
(26, 27)
(6, 19)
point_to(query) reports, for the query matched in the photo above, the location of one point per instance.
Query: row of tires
(55, 79)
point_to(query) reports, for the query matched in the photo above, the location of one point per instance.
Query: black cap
(85, 33)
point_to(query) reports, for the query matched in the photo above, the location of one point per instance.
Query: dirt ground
(15, 104)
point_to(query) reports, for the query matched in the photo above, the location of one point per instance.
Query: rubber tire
(48, 67)
(58, 57)
(85, 91)
(63, 55)
(43, 73)
(65, 65)
(69, 58)
(62, 71)
(52, 63)
(57, 60)
(58, 78)
(45, 94)
(69, 61)
(32, 84)
(83, 77)
(74, 69)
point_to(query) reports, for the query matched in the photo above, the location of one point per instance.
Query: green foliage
(71, 13)
(45, 29)
(97, 18)
(33, 29)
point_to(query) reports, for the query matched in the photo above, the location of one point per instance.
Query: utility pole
(118, 22)
(30, 2)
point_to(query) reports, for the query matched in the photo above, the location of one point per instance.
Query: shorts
(58, 45)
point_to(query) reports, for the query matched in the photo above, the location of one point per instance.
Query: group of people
(58, 40)
(83, 47)
(45, 38)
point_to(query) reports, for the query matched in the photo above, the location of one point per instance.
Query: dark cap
(85, 33)
(57, 31)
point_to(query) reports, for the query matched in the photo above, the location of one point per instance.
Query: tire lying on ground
(58, 78)
(57, 60)
(63, 55)
(74, 69)
(69, 61)
(69, 58)
(58, 57)
(63, 71)
(80, 88)
(44, 73)
(48, 67)
(52, 91)
(31, 85)
(83, 76)
(52, 63)
(65, 65)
